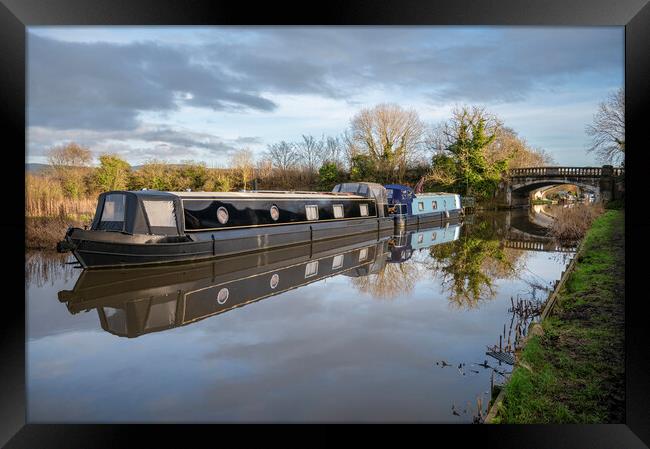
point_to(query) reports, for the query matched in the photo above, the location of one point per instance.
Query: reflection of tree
(470, 265)
(44, 267)
(393, 279)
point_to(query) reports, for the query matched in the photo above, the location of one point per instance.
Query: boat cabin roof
(398, 187)
(265, 194)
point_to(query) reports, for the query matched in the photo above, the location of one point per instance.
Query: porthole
(222, 296)
(222, 215)
(275, 279)
(363, 209)
(275, 213)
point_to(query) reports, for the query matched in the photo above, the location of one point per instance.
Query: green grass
(577, 366)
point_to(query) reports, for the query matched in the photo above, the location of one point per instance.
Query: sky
(199, 93)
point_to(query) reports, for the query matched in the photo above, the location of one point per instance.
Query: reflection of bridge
(532, 245)
(606, 181)
(519, 239)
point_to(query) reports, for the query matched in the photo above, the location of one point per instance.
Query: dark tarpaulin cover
(136, 220)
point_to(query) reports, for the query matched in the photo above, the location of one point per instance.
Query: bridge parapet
(538, 246)
(588, 172)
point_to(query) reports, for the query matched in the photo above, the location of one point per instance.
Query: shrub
(571, 223)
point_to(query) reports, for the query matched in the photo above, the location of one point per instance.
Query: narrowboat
(134, 301)
(410, 208)
(153, 227)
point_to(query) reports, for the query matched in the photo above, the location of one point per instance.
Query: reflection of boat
(410, 208)
(152, 227)
(139, 300)
(404, 244)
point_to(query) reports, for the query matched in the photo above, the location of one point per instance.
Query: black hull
(123, 250)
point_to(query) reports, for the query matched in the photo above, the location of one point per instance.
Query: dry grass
(571, 223)
(44, 197)
(45, 232)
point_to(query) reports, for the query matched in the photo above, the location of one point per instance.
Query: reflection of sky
(321, 352)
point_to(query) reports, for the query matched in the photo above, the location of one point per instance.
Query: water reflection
(470, 265)
(135, 301)
(43, 268)
(352, 330)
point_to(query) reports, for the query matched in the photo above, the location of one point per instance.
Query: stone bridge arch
(605, 182)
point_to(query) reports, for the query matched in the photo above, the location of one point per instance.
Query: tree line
(469, 154)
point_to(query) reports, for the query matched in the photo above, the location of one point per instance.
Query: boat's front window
(113, 213)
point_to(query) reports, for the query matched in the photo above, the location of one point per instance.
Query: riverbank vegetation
(468, 154)
(570, 224)
(573, 371)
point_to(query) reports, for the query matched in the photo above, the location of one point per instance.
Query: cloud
(278, 82)
(105, 86)
(140, 144)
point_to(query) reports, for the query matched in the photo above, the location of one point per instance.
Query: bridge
(606, 182)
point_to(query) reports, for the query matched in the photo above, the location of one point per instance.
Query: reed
(572, 223)
(44, 197)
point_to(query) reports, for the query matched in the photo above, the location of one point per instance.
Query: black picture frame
(16, 15)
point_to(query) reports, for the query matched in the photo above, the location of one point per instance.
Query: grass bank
(574, 371)
(45, 232)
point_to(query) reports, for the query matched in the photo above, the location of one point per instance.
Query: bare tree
(283, 155)
(508, 145)
(310, 153)
(243, 164)
(607, 131)
(390, 135)
(332, 151)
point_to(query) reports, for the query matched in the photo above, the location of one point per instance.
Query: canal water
(356, 330)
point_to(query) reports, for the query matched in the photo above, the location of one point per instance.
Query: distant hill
(35, 168)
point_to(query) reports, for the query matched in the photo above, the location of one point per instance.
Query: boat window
(338, 210)
(363, 190)
(348, 187)
(420, 238)
(115, 320)
(160, 213)
(311, 269)
(312, 212)
(434, 204)
(433, 236)
(363, 254)
(420, 205)
(113, 212)
(337, 262)
(161, 315)
(363, 209)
